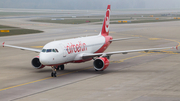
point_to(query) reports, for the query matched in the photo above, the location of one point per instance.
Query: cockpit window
(53, 50)
(43, 50)
(49, 50)
(56, 50)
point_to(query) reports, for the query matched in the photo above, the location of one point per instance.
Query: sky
(90, 4)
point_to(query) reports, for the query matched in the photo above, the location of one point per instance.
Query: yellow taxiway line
(66, 73)
(44, 79)
(37, 46)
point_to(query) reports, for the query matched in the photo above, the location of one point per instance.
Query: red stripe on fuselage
(75, 61)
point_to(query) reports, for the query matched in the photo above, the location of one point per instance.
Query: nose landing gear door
(64, 53)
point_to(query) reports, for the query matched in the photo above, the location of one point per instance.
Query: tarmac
(140, 76)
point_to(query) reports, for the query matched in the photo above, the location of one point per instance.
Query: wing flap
(89, 55)
(139, 50)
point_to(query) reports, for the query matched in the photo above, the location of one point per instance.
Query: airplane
(77, 50)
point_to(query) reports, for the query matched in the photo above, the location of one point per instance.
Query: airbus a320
(77, 50)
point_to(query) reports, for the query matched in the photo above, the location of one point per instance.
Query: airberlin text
(73, 48)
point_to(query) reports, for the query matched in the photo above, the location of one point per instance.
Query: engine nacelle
(36, 63)
(101, 63)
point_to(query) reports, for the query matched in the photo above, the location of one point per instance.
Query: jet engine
(36, 63)
(101, 63)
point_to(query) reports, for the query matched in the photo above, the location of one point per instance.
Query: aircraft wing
(23, 48)
(123, 52)
(124, 38)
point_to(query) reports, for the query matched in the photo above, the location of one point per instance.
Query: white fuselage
(70, 50)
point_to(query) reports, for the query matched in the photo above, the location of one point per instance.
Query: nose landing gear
(54, 68)
(53, 74)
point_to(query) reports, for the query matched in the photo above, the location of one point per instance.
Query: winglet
(3, 44)
(177, 47)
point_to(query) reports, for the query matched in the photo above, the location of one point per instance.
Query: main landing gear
(60, 66)
(54, 68)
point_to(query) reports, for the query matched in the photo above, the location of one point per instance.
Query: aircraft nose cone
(43, 59)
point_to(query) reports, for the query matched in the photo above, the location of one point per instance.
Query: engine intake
(36, 63)
(101, 63)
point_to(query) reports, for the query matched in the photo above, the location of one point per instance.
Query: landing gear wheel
(57, 68)
(96, 70)
(52, 74)
(61, 66)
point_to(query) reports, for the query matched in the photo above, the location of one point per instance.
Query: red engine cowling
(36, 63)
(101, 63)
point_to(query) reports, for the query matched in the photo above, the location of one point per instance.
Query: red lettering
(79, 48)
(76, 47)
(68, 49)
(72, 46)
(84, 47)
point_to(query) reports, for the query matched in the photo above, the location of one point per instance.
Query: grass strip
(19, 32)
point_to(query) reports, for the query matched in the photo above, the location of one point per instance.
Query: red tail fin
(105, 27)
